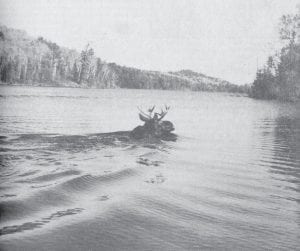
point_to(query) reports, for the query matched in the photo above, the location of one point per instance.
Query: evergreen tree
(281, 79)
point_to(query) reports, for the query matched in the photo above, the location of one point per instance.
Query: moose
(154, 125)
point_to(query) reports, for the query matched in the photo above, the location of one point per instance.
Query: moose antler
(146, 117)
(143, 116)
(163, 113)
(143, 113)
(150, 110)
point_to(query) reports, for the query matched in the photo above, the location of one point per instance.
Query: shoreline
(241, 94)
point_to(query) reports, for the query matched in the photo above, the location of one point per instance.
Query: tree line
(280, 77)
(29, 61)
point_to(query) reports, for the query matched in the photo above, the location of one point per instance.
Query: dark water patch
(295, 173)
(21, 149)
(29, 173)
(3, 142)
(286, 159)
(5, 149)
(38, 223)
(3, 139)
(18, 208)
(54, 176)
(49, 159)
(150, 146)
(292, 199)
(44, 164)
(72, 143)
(50, 177)
(5, 188)
(103, 198)
(88, 181)
(157, 179)
(8, 195)
(32, 136)
(295, 188)
(8, 172)
(147, 162)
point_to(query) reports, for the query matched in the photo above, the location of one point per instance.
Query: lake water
(231, 181)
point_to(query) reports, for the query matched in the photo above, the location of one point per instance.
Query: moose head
(154, 126)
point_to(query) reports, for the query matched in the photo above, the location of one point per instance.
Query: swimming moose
(154, 126)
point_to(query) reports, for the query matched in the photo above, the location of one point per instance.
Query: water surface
(230, 181)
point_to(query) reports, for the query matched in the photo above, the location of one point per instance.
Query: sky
(228, 39)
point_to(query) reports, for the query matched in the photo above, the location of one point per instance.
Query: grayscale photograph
(143, 125)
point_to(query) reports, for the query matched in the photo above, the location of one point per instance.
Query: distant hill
(36, 61)
(202, 82)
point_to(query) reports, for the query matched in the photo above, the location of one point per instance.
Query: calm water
(230, 181)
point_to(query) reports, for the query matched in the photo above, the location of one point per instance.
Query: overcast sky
(221, 38)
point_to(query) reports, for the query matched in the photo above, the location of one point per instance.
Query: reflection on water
(68, 182)
(285, 164)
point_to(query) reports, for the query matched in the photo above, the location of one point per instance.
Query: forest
(37, 61)
(280, 77)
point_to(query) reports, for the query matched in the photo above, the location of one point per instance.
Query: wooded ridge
(36, 61)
